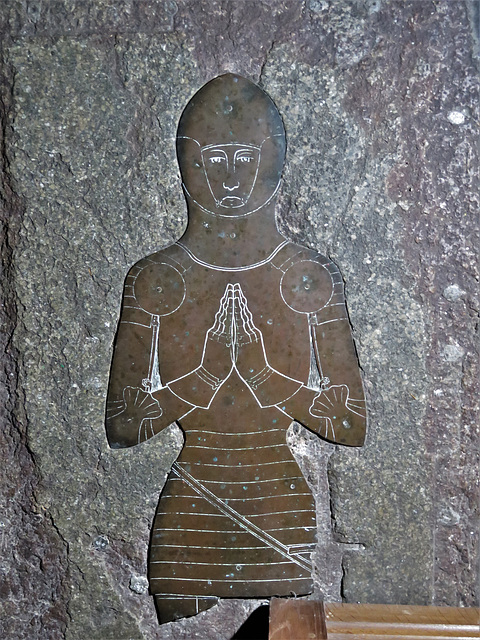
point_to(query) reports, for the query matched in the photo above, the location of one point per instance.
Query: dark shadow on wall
(255, 626)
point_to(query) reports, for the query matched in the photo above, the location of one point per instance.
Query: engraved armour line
(238, 518)
(203, 263)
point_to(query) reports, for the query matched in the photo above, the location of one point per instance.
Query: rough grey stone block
(380, 101)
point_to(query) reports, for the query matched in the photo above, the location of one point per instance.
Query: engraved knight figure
(233, 332)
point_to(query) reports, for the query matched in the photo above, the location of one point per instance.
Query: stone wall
(380, 100)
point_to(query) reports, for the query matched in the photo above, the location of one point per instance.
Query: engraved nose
(231, 186)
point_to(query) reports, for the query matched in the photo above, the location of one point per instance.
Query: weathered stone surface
(380, 102)
(33, 561)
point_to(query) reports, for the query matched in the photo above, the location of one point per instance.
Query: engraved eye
(216, 159)
(245, 159)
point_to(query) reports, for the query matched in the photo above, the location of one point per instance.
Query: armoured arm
(133, 414)
(332, 411)
(336, 410)
(332, 402)
(138, 406)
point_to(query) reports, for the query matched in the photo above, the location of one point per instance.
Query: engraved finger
(319, 409)
(225, 334)
(152, 403)
(327, 399)
(155, 412)
(128, 394)
(243, 334)
(247, 320)
(220, 316)
(237, 316)
(219, 325)
(230, 321)
(145, 398)
(115, 408)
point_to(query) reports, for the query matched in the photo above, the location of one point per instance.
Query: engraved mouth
(232, 201)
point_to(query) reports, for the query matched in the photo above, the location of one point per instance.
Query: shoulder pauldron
(311, 283)
(155, 286)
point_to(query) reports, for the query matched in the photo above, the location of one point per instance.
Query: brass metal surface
(233, 332)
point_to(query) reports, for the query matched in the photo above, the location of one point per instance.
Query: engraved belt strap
(291, 551)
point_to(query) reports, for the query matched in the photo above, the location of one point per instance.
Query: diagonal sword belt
(292, 552)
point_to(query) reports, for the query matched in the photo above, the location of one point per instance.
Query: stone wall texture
(380, 100)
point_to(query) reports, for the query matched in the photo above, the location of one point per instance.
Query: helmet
(231, 147)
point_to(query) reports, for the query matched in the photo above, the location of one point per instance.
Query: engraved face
(231, 171)
(230, 148)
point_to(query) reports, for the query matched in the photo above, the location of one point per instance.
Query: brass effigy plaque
(233, 332)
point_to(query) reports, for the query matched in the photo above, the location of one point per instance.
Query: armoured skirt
(236, 518)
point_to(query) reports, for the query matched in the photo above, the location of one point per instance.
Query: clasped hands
(234, 342)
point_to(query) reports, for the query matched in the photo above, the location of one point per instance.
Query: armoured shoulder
(310, 281)
(156, 284)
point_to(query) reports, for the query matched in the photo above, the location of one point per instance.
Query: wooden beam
(392, 622)
(294, 619)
